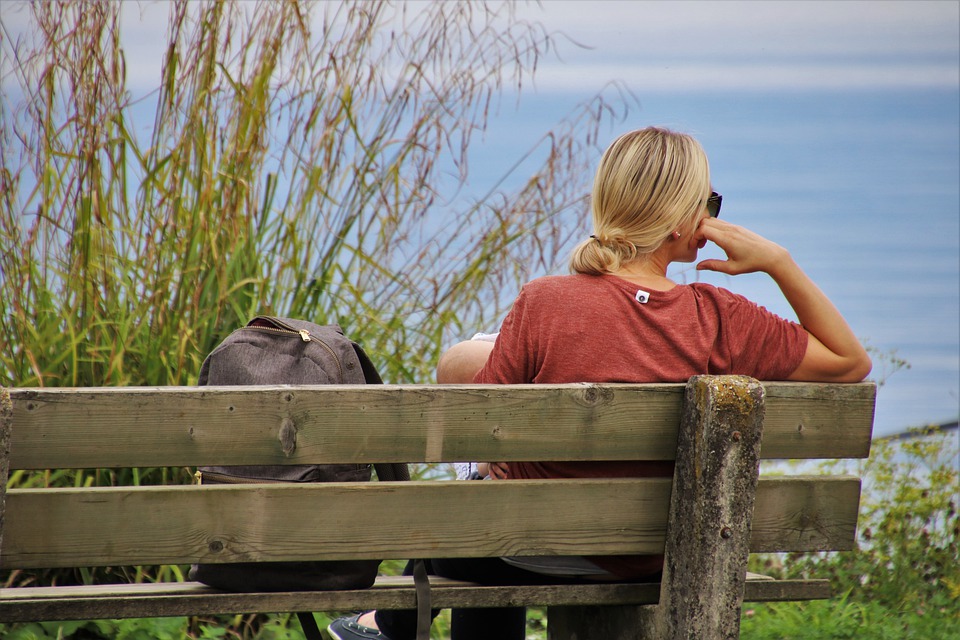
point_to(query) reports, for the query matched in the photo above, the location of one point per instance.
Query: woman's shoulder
(719, 301)
(558, 283)
(557, 286)
(717, 294)
(726, 303)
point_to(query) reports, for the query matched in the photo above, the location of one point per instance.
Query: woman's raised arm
(833, 352)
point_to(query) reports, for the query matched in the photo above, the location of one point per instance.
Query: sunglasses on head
(713, 204)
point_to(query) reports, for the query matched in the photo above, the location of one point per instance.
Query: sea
(863, 188)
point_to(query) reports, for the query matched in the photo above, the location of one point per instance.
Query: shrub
(903, 580)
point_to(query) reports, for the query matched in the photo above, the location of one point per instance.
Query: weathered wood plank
(180, 525)
(148, 589)
(182, 599)
(171, 426)
(176, 525)
(817, 515)
(191, 426)
(817, 420)
(152, 589)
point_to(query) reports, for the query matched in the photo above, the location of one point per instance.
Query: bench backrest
(180, 426)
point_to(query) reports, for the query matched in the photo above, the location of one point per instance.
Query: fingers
(720, 266)
(719, 232)
(712, 230)
(746, 251)
(498, 470)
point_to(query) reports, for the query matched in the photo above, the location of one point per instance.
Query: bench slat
(181, 524)
(182, 599)
(149, 427)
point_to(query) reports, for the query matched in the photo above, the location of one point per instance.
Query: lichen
(735, 393)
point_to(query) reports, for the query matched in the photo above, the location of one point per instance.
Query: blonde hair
(650, 182)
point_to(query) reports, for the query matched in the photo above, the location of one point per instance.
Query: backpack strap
(386, 472)
(422, 587)
(399, 472)
(370, 373)
(308, 624)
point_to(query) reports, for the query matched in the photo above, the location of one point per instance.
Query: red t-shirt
(583, 328)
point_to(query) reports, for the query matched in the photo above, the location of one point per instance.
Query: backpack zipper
(304, 335)
(212, 477)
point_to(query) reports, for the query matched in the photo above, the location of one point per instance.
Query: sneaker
(350, 629)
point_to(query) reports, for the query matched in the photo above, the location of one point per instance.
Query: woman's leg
(504, 623)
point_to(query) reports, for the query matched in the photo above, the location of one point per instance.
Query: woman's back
(584, 328)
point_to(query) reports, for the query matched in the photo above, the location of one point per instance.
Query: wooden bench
(712, 428)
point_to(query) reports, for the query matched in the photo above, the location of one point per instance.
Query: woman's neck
(647, 272)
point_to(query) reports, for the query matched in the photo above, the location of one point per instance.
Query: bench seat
(389, 592)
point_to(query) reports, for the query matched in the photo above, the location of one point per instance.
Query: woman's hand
(496, 470)
(747, 252)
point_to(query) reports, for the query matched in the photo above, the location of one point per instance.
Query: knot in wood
(592, 395)
(288, 437)
(215, 547)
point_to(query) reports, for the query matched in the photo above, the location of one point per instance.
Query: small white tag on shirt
(643, 296)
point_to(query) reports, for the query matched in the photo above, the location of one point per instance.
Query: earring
(676, 235)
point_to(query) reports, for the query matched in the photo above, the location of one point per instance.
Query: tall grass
(303, 160)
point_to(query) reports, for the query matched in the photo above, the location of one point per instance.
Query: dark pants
(504, 623)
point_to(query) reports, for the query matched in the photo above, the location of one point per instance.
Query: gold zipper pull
(304, 335)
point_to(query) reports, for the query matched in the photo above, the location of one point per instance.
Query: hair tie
(595, 237)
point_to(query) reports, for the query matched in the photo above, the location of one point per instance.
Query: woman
(618, 318)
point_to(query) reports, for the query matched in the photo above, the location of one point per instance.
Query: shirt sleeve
(513, 356)
(761, 344)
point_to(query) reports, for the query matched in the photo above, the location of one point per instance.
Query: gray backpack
(284, 351)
